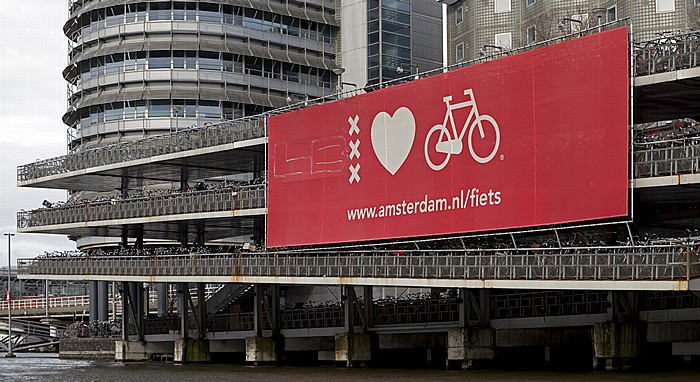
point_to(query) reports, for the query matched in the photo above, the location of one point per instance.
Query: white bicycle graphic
(449, 142)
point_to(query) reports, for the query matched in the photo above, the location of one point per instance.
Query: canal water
(31, 367)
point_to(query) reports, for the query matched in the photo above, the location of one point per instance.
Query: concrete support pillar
(137, 307)
(348, 297)
(468, 347)
(124, 242)
(162, 293)
(138, 244)
(102, 301)
(201, 311)
(257, 310)
(616, 343)
(94, 300)
(274, 311)
(353, 349)
(262, 350)
(130, 351)
(188, 350)
(200, 239)
(368, 305)
(126, 310)
(183, 294)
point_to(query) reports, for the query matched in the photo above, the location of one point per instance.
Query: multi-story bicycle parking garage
(621, 270)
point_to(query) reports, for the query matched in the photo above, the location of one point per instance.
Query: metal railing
(185, 140)
(680, 156)
(653, 262)
(227, 199)
(548, 303)
(667, 53)
(40, 302)
(399, 312)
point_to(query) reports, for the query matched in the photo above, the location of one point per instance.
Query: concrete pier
(262, 350)
(130, 351)
(353, 349)
(191, 351)
(616, 343)
(467, 347)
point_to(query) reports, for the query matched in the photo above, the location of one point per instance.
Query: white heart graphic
(392, 137)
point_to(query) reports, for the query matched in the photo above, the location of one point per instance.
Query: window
(530, 2)
(459, 52)
(502, 6)
(459, 16)
(504, 40)
(611, 14)
(159, 108)
(665, 6)
(531, 34)
(159, 60)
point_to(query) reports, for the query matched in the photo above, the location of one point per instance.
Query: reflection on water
(32, 367)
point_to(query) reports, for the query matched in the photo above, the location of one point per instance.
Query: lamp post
(176, 110)
(9, 353)
(339, 72)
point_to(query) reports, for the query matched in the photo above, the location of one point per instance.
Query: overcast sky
(32, 101)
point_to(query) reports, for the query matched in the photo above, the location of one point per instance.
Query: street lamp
(339, 72)
(176, 110)
(9, 353)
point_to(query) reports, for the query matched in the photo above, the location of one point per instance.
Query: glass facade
(388, 27)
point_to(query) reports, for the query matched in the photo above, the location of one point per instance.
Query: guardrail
(679, 156)
(185, 140)
(226, 199)
(659, 262)
(667, 53)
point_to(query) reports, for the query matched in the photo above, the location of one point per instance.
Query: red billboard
(532, 139)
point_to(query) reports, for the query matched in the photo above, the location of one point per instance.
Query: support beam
(257, 310)
(102, 300)
(368, 297)
(162, 293)
(183, 295)
(348, 308)
(94, 300)
(201, 315)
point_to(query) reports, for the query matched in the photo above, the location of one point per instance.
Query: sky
(32, 102)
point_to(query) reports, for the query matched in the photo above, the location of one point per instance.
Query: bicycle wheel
(480, 122)
(443, 133)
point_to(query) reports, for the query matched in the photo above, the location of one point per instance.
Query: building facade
(483, 27)
(382, 40)
(146, 68)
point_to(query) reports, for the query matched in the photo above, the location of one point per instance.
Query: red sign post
(534, 139)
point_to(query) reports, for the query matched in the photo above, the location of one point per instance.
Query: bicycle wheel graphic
(444, 136)
(484, 121)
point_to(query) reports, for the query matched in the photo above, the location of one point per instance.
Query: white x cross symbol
(354, 151)
(354, 173)
(353, 125)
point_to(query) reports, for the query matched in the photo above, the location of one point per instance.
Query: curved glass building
(140, 68)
